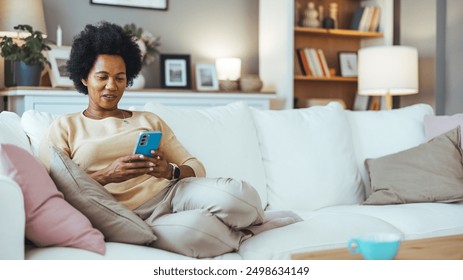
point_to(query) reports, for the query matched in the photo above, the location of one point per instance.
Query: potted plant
(148, 45)
(24, 58)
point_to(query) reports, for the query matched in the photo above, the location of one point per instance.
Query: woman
(189, 214)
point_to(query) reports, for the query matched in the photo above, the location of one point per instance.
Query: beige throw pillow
(430, 172)
(115, 221)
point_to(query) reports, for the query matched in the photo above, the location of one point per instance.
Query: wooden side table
(436, 248)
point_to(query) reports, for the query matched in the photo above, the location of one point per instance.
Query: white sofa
(310, 161)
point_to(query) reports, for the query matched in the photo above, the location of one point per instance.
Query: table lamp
(387, 71)
(228, 72)
(14, 12)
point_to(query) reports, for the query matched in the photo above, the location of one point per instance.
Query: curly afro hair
(103, 38)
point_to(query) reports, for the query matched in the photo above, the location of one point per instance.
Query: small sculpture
(311, 16)
(297, 13)
(334, 14)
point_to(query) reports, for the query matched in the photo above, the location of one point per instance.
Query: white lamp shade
(15, 12)
(228, 68)
(387, 70)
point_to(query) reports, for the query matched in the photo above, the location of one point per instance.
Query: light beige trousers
(202, 217)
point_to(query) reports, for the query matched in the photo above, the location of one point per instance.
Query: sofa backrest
(224, 138)
(308, 157)
(300, 159)
(35, 123)
(379, 133)
(11, 131)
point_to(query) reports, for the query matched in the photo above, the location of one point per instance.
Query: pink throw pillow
(438, 125)
(50, 220)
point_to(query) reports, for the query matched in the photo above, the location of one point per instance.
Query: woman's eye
(101, 77)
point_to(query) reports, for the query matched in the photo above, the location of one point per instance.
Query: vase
(18, 73)
(138, 82)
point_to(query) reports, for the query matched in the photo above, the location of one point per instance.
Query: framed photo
(175, 71)
(206, 77)
(59, 76)
(348, 64)
(143, 4)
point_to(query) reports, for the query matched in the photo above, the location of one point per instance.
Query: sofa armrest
(12, 220)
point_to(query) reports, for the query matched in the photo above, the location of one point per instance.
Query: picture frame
(58, 57)
(141, 4)
(348, 64)
(206, 77)
(175, 71)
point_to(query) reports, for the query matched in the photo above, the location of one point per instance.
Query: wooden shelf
(332, 42)
(337, 32)
(323, 79)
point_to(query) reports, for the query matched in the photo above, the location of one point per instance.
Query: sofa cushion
(437, 125)
(115, 221)
(12, 132)
(379, 133)
(413, 220)
(35, 124)
(318, 231)
(431, 172)
(223, 138)
(308, 157)
(50, 220)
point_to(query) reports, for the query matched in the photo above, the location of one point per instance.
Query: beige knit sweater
(95, 144)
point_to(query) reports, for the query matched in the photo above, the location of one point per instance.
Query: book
(356, 19)
(297, 65)
(310, 62)
(304, 62)
(316, 62)
(366, 17)
(323, 63)
(374, 23)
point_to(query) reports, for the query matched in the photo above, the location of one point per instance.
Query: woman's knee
(233, 201)
(195, 233)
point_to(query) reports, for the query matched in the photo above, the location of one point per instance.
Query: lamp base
(228, 85)
(388, 100)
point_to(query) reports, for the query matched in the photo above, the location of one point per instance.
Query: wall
(418, 29)
(205, 29)
(453, 100)
(434, 27)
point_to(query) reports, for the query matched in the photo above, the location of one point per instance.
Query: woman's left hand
(162, 168)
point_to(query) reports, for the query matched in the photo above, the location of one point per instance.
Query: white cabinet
(60, 101)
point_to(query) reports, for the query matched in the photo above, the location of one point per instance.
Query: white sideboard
(63, 101)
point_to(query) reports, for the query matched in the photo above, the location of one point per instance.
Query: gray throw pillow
(114, 220)
(430, 172)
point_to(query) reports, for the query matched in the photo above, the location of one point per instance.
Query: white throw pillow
(35, 124)
(379, 133)
(308, 157)
(223, 138)
(11, 131)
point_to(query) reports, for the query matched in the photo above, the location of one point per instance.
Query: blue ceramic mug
(376, 246)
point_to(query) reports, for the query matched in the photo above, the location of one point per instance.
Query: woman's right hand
(123, 169)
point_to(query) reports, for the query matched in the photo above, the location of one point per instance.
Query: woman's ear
(84, 82)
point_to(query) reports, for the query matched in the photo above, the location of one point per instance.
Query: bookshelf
(279, 37)
(331, 41)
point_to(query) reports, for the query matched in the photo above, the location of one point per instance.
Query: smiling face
(106, 83)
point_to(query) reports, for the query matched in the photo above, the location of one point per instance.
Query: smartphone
(147, 141)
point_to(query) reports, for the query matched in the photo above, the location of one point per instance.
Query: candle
(59, 36)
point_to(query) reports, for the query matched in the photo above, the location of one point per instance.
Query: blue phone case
(147, 141)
